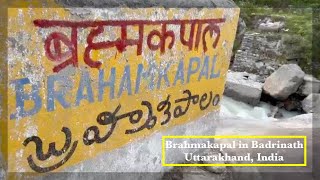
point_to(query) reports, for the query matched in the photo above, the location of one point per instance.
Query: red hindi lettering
(121, 43)
(70, 57)
(163, 35)
(188, 42)
(210, 28)
(53, 43)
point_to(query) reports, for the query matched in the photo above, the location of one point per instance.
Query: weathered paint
(48, 102)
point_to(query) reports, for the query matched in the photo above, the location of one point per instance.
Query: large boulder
(284, 82)
(310, 85)
(243, 87)
(311, 103)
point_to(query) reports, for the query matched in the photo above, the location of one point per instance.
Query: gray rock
(284, 82)
(268, 25)
(278, 115)
(275, 113)
(241, 30)
(243, 87)
(310, 85)
(311, 103)
(302, 120)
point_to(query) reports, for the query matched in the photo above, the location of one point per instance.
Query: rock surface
(311, 103)
(214, 169)
(257, 54)
(263, 53)
(195, 173)
(275, 113)
(284, 82)
(243, 87)
(303, 120)
(241, 29)
(310, 85)
(268, 25)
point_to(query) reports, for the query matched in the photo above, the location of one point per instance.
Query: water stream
(230, 107)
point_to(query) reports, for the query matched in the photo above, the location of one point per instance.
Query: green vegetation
(283, 3)
(316, 41)
(298, 16)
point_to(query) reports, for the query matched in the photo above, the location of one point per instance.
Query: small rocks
(275, 113)
(278, 115)
(284, 82)
(311, 103)
(257, 54)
